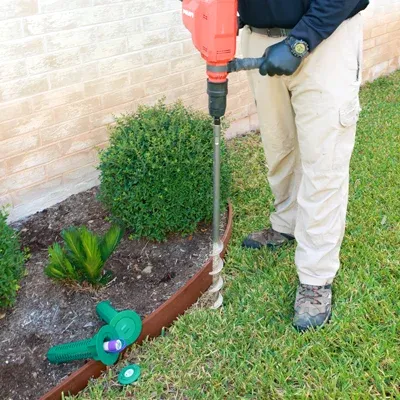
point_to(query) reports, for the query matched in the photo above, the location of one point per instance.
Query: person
(306, 94)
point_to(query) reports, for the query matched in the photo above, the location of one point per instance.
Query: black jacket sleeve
(322, 19)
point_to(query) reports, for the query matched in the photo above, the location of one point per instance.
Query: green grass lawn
(249, 350)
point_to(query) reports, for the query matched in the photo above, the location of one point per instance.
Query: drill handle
(245, 64)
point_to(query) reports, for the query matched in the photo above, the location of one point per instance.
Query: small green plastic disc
(129, 374)
(128, 326)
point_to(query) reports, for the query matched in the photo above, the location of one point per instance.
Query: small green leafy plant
(11, 263)
(156, 175)
(83, 256)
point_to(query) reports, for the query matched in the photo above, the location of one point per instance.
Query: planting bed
(146, 274)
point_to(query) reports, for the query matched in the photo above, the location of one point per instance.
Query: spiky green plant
(83, 256)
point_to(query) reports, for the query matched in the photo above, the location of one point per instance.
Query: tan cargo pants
(308, 125)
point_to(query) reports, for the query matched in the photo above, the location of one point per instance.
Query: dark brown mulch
(47, 313)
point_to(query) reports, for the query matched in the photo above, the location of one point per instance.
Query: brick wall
(381, 38)
(67, 66)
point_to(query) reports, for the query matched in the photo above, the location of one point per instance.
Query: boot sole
(252, 244)
(303, 329)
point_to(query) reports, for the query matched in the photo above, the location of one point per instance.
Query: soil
(145, 274)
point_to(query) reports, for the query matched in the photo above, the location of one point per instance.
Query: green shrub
(156, 175)
(11, 263)
(83, 256)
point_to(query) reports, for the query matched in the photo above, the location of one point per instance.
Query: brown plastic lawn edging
(153, 324)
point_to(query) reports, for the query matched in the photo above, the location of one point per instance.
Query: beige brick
(23, 87)
(13, 70)
(62, 165)
(78, 109)
(85, 141)
(239, 88)
(254, 121)
(379, 69)
(33, 159)
(143, 7)
(103, 146)
(163, 84)
(173, 5)
(394, 47)
(394, 65)
(252, 108)
(42, 192)
(3, 169)
(17, 8)
(54, 22)
(198, 102)
(6, 201)
(379, 58)
(106, 84)
(391, 17)
(19, 145)
(129, 94)
(21, 48)
(14, 110)
(100, 15)
(163, 53)
(147, 39)
(102, 50)
(381, 39)
(148, 73)
(237, 114)
(120, 63)
(58, 97)
(186, 63)
(27, 124)
(104, 2)
(369, 43)
(113, 30)
(70, 76)
(235, 101)
(88, 174)
(48, 62)
(168, 97)
(366, 75)
(177, 33)
(195, 74)
(184, 92)
(367, 33)
(62, 5)
(379, 30)
(372, 52)
(162, 20)
(22, 179)
(62, 131)
(11, 30)
(71, 38)
(106, 117)
(188, 47)
(235, 78)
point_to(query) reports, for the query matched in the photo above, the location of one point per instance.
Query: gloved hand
(279, 60)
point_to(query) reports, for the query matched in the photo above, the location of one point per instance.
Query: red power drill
(214, 27)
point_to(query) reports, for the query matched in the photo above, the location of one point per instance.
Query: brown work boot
(313, 306)
(267, 237)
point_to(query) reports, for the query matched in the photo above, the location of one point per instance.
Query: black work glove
(279, 60)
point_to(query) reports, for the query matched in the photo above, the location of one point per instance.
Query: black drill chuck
(217, 94)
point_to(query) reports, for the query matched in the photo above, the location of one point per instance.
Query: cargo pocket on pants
(348, 117)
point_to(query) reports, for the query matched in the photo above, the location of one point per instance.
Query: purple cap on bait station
(114, 346)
